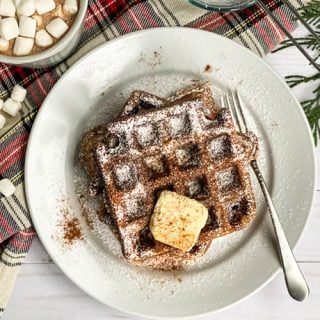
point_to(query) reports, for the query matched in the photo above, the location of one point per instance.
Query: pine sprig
(294, 81)
(311, 12)
(308, 41)
(311, 107)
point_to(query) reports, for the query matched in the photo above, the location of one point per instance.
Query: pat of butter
(177, 220)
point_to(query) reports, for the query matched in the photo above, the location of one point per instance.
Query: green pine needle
(311, 13)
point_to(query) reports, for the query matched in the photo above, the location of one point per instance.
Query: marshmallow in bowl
(4, 44)
(18, 93)
(27, 27)
(43, 38)
(1, 104)
(44, 6)
(9, 28)
(2, 121)
(57, 27)
(7, 188)
(23, 46)
(70, 6)
(11, 107)
(26, 7)
(7, 8)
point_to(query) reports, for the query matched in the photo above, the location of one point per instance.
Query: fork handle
(296, 284)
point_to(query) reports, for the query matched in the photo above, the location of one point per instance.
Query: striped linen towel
(105, 20)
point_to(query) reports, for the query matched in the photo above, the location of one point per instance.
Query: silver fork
(296, 284)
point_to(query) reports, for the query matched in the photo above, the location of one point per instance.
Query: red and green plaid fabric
(105, 20)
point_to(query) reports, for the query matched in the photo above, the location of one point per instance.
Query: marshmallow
(1, 104)
(44, 6)
(2, 121)
(27, 27)
(57, 27)
(7, 8)
(9, 28)
(4, 44)
(70, 6)
(26, 7)
(22, 46)
(43, 38)
(18, 93)
(7, 188)
(11, 107)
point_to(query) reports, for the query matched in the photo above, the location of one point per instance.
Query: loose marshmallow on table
(7, 8)
(4, 44)
(26, 7)
(44, 6)
(7, 188)
(2, 121)
(70, 6)
(9, 28)
(27, 27)
(43, 38)
(11, 107)
(18, 93)
(57, 27)
(22, 46)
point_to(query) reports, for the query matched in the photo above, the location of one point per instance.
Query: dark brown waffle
(139, 101)
(187, 147)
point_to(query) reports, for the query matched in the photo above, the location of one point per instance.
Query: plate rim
(42, 110)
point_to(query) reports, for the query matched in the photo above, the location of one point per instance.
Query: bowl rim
(222, 8)
(56, 48)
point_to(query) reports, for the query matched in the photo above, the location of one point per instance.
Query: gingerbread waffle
(141, 101)
(187, 147)
(138, 102)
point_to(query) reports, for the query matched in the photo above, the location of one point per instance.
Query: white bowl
(223, 5)
(57, 52)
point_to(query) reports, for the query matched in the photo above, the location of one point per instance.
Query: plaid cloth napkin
(105, 20)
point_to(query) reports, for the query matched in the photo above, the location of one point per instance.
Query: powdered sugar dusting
(124, 175)
(93, 212)
(146, 134)
(159, 85)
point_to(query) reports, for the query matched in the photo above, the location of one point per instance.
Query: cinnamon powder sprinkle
(72, 231)
(69, 225)
(208, 68)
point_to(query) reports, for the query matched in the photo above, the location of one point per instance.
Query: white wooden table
(43, 292)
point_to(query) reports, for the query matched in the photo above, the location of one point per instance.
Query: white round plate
(161, 61)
